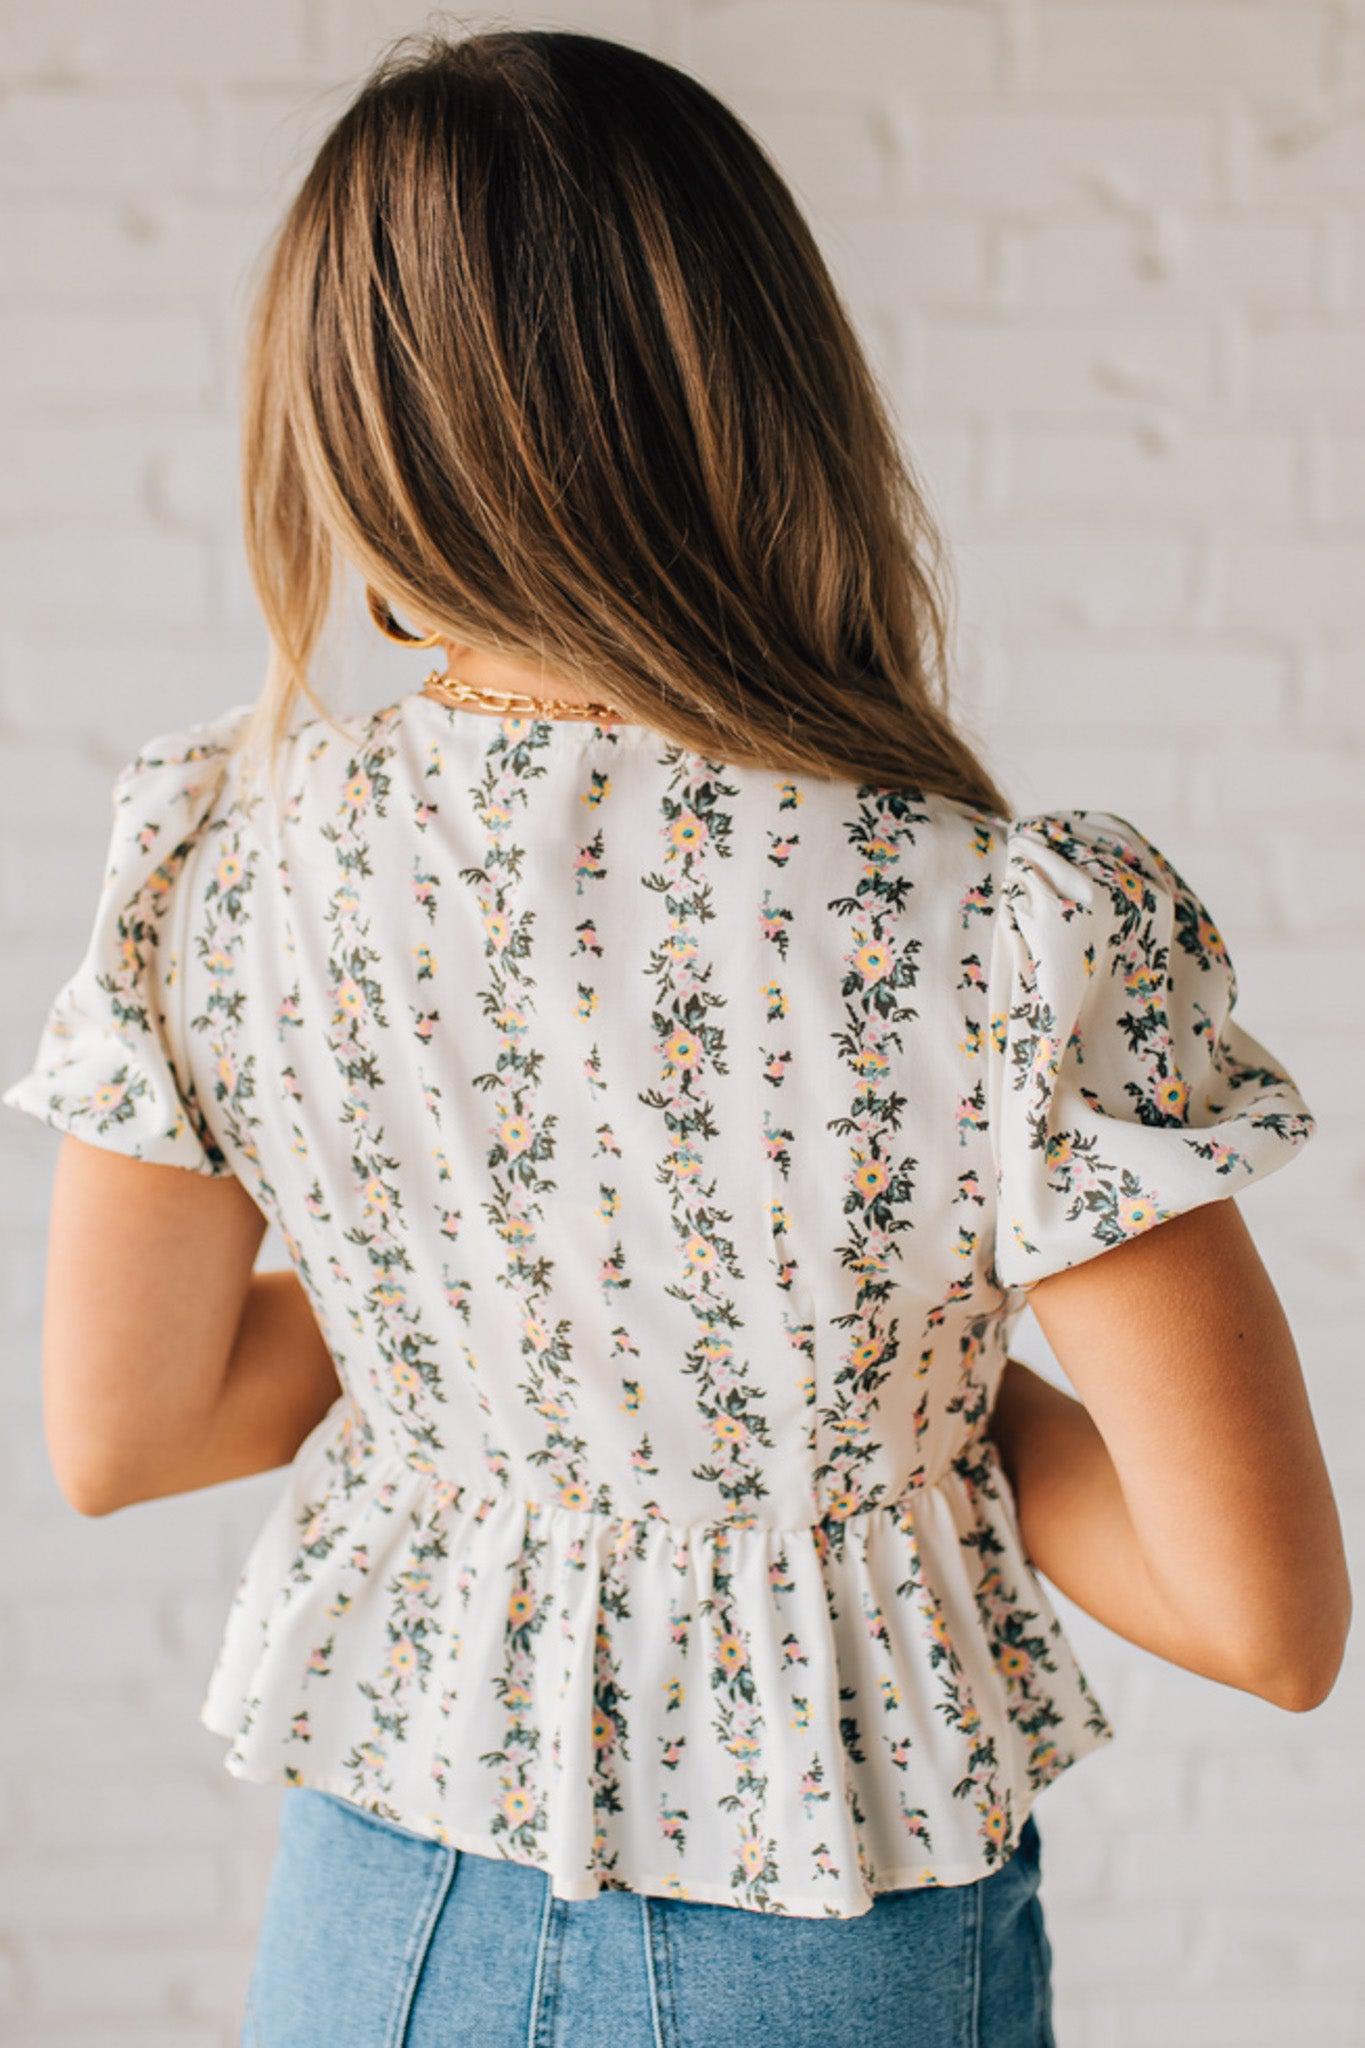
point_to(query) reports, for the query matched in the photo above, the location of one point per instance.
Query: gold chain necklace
(448, 689)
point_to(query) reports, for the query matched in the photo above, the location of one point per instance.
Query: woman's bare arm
(1186, 1503)
(279, 1383)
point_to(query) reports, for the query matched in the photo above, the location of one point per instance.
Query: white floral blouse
(665, 1148)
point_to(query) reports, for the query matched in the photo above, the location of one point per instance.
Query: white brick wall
(1110, 259)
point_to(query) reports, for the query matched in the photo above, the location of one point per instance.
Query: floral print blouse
(665, 1148)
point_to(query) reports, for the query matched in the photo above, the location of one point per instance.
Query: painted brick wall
(1110, 261)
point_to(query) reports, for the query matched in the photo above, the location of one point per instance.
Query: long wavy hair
(544, 348)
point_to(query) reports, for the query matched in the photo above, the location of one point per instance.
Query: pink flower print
(671, 1755)
(812, 1791)
(876, 1624)
(300, 1728)
(969, 1118)
(729, 1433)
(825, 1863)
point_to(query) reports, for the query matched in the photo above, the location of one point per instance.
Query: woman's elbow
(1306, 1671)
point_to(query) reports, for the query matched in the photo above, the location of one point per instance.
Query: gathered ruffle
(652, 1706)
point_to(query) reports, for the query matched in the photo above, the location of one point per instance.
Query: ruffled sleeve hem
(1124, 1090)
(109, 1066)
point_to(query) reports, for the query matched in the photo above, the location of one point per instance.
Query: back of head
(545, 349)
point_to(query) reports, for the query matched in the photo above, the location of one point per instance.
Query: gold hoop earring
(389, 626)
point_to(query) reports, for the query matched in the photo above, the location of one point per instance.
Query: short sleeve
(109, 1065)
(1123, 1089)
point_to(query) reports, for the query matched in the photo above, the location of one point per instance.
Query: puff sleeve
(110, 1064)
(1122, 1088)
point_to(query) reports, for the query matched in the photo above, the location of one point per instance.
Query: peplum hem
(653, 1706)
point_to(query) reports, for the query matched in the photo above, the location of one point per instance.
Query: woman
(671, 1069)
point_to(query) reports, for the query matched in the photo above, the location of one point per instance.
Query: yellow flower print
(520, 1607)
(358, 790)
(687, 832)
(515, 1132)
(229, 871)
(728, 1429)
(871, 1177)
(603, 1730)
(994, 1823)
(1137, 1213)
(1143, 985)
(700, 1255)
(350, 996)
(498, 927)
(405, 1378)
(108, 1095)
(683, 1049)
(842, 1505)
(572, 1495)
(227, 1072)
(403, 1656)
(731, 1654)
(751, 1855)
(674, 1692)
(376, 1194)
(872, 960)
(518, 1804)
(1173, 1094)
(1014, 1662)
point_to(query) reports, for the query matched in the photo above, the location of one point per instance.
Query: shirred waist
(372, 1461)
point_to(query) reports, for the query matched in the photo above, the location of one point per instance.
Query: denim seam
(419, 1940)
(545, 1986)
(667, 1979)
(1042, 1975)
(647, 1938)
(974, 1939)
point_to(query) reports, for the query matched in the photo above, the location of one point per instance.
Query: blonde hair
(545, 348)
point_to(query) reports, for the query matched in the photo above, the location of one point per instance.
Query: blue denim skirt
(374, 1937)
